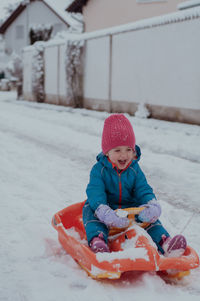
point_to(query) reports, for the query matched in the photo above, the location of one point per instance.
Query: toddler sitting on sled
(117, 181)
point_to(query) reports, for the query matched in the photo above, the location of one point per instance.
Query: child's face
(121, 156)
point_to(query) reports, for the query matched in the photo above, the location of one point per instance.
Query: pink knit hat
(117, 131)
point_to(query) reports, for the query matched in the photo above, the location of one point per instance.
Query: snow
(142, 111)
(72, 232)
(122, 213)
(60, 4)
(4, 4)
(46, 153)
(128, 251)
(188, 4)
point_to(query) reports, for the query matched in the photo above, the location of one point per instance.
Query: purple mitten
(151, 212)
(109, 217)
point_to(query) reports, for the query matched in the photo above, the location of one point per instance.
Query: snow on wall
(38, 73)
(188, 4)
(61, 62)
(74, 72)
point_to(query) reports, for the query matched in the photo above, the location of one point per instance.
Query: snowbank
(46, 153)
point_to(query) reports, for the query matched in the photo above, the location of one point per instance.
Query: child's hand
(151, 212)
(109, 217)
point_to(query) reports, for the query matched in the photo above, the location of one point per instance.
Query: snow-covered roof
(4, 4)
(189, 4)
(58, 7)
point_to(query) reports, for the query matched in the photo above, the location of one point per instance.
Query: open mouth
(122, 162)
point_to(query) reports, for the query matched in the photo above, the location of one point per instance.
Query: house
(99, 14)
(30, 14)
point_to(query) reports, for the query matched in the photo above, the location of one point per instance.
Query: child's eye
(129, 149)
(117, 150)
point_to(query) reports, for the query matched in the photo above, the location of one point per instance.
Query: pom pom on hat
(117, 131)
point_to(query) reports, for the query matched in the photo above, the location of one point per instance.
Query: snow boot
(173, 247)
(98, 244)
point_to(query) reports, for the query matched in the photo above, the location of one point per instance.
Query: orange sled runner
(131, 250)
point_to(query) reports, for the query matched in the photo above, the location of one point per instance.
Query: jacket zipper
(120, 185)
(120, 191)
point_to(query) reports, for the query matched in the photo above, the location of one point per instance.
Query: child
(116, 181)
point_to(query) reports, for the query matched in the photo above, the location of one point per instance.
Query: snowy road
(46, 153)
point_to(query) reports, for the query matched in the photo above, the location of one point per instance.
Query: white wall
(62, 85)
(51, 70)
(27, 74)
(155, 63)
(96, 75)
(55, 86)
(158, 66)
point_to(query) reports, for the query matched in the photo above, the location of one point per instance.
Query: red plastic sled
(131, 250)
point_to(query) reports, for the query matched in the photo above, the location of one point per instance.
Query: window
(19, 32)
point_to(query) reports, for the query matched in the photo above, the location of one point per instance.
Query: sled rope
(188, 222)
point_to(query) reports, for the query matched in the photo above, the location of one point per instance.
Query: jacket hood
(103, 159)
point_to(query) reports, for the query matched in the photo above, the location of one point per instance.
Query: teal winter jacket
(107, 185)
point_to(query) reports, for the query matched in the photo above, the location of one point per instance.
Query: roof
(76, 6)
(59, 8)
(6, 7)
(11, 18)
